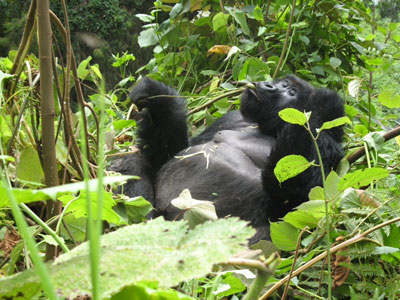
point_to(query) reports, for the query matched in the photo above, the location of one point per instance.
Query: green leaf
(29, 167)
(147, 38)
(362, 178)
(258, 14)
(83, 70)
(79, 207)
(145, 18)
(254, 70)
(293, 116)
(335, 62)
(142, 292)
(350, 199)
(240, 17)
(335, 123)
(28, 196)
(290, 166)
(388, 99)
(377, 61)
(284, 236)
(385, 250)
(96, 71)
(121, 124)
(304, 39)
(307, 214)
(219, 21)
(316, 193)
(156, 251)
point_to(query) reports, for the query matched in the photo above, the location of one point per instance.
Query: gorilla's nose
(267, 86)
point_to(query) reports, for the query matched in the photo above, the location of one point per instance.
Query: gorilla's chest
(228, 166)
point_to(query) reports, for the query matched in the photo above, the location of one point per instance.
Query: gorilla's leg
(162, 130)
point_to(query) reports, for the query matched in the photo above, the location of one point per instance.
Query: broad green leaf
(350, 199)
(388, 99)
(157, 251)
(219, 21)
(254, 70)
(147, 38)
(331, 185)
(5, 131)
(290, 166)
(316, 193)
(307, 214)
(29, 167)
(293, 116)
(284, 236)
(176, 10)
(121, 124)
(362, 178)
(335, 62)
(196, 211)
(96, 71)
(335, 123)
(240, 17)
(385, 250)
(377, 61)
(145, 18)
(28, 196)
(258, 14)
(304, 39)
(142, 292)
(83, 71)
(79, 207)
(137, 208)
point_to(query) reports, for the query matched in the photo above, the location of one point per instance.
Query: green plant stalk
(326, 211)
(94, 249)
(257, 285)
(45, 227)
(40, 267)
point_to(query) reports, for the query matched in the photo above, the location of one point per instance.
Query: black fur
(232, 162)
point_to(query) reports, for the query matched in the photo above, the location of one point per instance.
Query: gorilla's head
(262, 103)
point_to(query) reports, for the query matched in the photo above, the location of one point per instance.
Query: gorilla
(231, 163)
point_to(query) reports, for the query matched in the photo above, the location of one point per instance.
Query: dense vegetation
(55, 197)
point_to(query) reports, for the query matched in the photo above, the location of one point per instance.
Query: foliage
(172, 255)
(206, 49)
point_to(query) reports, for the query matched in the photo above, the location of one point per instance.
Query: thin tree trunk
(48, 114)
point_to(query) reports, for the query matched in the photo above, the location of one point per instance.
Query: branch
(360, 152)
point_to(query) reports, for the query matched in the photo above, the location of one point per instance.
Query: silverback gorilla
(231, 163)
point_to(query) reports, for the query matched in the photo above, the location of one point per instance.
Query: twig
(360, 152)
(285, 45)
(294, 262)
(205, 105)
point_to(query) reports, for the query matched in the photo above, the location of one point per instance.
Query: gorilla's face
(269, 97)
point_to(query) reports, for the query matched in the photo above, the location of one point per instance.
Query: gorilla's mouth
(253, 90)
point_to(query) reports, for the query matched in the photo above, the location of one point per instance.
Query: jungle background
(56, 200)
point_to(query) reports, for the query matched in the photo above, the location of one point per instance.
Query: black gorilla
(231, 163)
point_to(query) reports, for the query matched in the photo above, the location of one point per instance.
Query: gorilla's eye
(285, 83)
(292, 92)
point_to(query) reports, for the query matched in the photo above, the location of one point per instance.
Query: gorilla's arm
(294, 139)
(162, 130)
